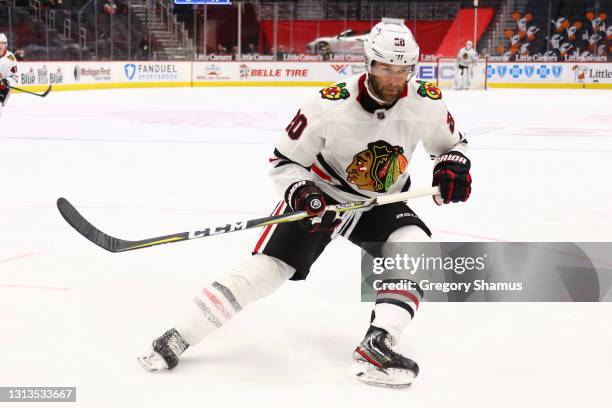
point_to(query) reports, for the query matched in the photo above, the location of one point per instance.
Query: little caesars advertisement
(590, 73)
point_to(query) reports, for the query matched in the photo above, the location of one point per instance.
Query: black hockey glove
(4, 83)
(452, 174)
(306, 196)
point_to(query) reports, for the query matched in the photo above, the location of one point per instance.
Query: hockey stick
(42, 95)
(112, 244)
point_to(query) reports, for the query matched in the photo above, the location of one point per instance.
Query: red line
(471, 235)
(3, 285)
(13, 258)
(268, 228)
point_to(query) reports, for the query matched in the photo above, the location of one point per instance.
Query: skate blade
(152, 362)
(371, 375)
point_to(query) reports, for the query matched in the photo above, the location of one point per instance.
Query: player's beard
(387, 93)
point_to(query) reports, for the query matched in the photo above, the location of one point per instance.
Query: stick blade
(46, 92)
(85, 228)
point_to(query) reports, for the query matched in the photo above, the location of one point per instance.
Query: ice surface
(156, 161)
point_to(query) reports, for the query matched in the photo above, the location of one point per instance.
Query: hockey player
(349, 141)
(8, 71)
(466, 59)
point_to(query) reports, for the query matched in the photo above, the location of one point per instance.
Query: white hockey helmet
(3, 38)
(469, 45)
(391, 42)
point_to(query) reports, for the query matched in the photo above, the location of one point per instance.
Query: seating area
(93, 29)
(575, 30)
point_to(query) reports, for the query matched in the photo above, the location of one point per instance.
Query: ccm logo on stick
(218, 230)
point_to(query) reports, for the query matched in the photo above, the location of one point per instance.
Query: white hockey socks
(218, 302)
(394, 310)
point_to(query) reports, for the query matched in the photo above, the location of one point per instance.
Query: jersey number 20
(297, 125)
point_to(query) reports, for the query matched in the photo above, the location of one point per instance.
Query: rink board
(79, 75)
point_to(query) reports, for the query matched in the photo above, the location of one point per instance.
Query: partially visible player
(8, 71)
(466, 59)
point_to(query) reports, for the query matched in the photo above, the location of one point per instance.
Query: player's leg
(253, 279)
(467, 77)
(283, 252)
(375, 361)
(215, 305)
(393, 311)
(459, 77)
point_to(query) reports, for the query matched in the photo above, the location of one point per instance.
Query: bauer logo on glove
(452, 174)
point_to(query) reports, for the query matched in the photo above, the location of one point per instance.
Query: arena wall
(78, 75)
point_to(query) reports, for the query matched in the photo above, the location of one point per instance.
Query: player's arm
(297, 146)
(10, 77)
(474, 57)
(459, 57)
(4, 83)
(294, 153)
(447, 145)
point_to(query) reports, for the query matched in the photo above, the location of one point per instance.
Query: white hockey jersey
(353, 148)
(8, 68)
(467, 57)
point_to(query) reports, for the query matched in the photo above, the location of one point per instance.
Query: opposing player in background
(466, 60)
(349, 141)
(8, 71)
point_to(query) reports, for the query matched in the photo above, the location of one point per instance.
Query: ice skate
(375, 362)
(165, 352)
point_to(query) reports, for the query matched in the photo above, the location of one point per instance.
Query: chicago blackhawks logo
(429, 90)
(335, 92)
(378, 167)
